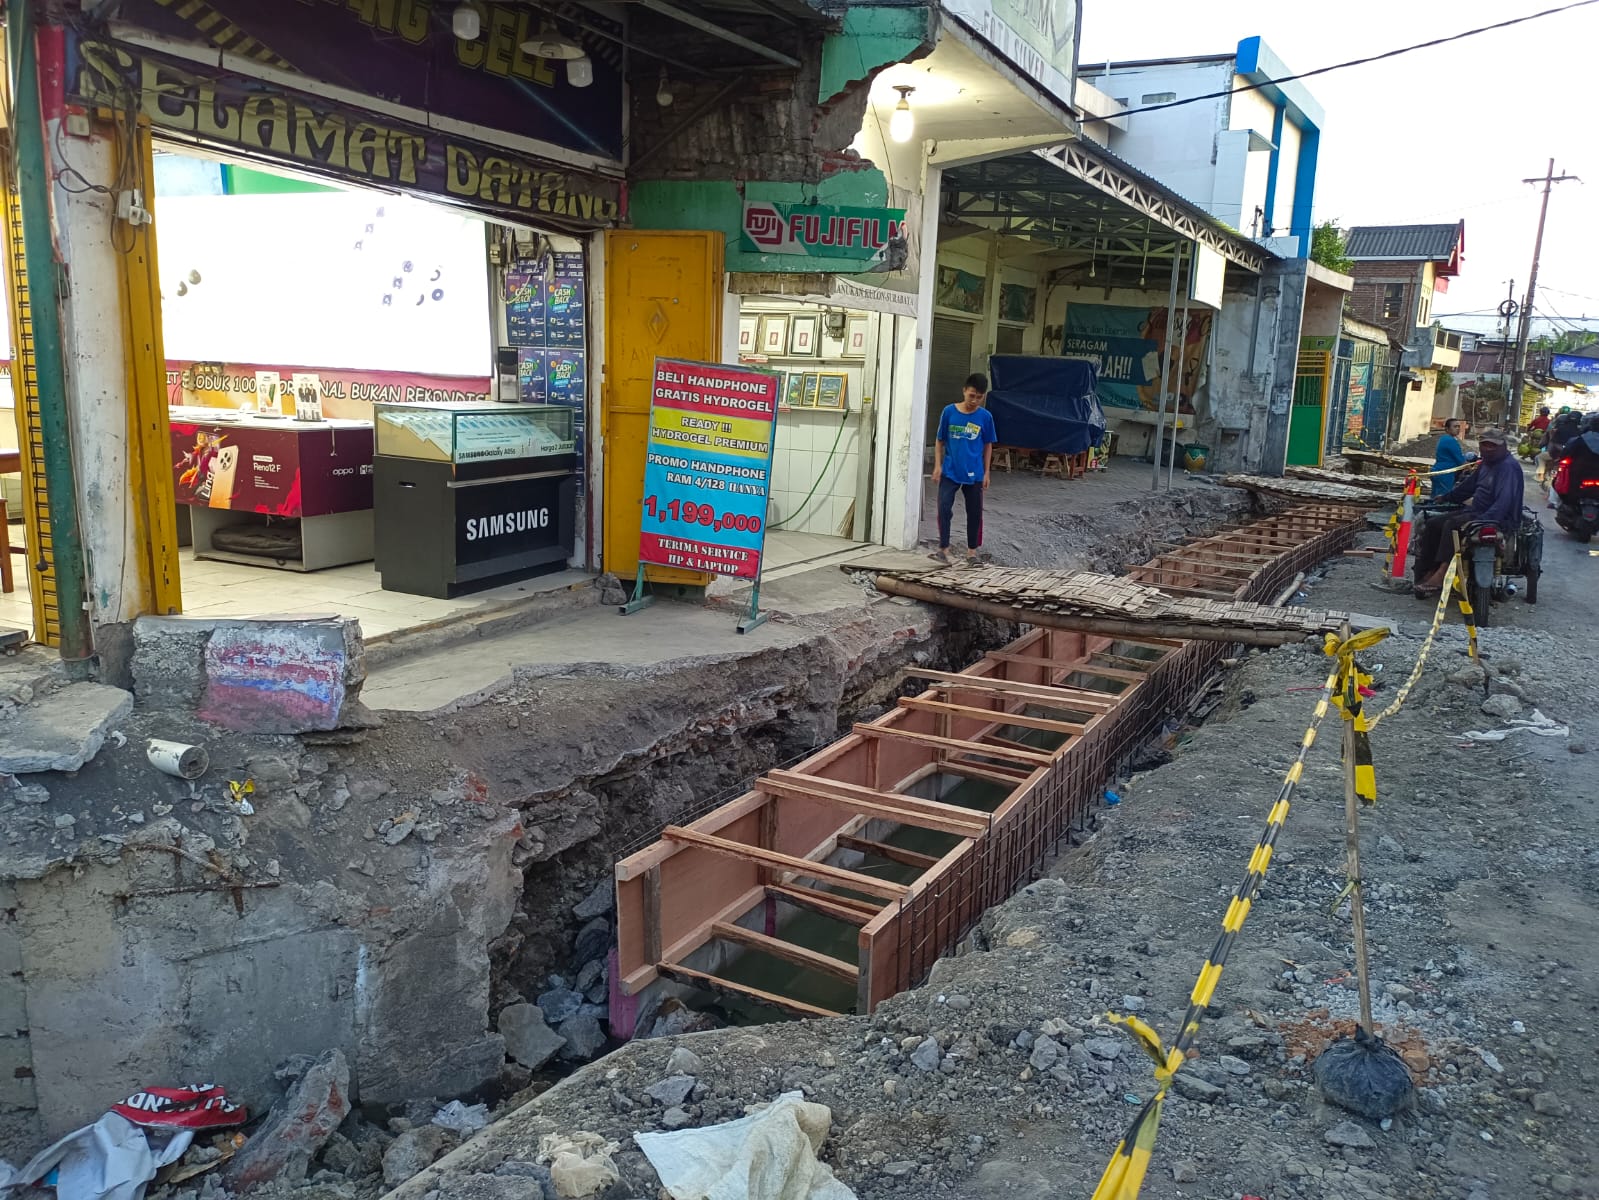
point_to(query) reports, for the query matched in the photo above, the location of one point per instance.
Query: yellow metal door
(663, 298)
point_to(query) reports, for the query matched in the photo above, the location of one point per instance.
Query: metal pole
(44, 285)
(1177, 391)
(1165, 369)
(1518, 379)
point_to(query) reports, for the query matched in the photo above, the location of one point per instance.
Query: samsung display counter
(472, 495)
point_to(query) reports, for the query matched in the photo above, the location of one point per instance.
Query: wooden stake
(716, 985)
(1352, 844)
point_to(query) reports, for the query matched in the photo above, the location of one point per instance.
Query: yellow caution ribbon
(1129, 1163)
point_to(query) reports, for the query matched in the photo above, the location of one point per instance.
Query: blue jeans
(973, 492)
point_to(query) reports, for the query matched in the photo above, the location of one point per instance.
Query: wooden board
(716, 984)
(895, 854)
(787, 862)
(996, 715)
(956, 745)
(890, 806)
(787, 951)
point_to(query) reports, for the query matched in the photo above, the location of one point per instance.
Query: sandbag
(1365, 1075)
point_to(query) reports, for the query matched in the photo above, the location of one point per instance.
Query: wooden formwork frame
(1103, 693)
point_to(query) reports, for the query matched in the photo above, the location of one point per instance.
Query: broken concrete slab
(61, 730)
(528, 1037)
(287, 675)
(296, 1128)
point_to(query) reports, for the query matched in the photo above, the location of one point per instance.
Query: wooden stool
(1054, 464)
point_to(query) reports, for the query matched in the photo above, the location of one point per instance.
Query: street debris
(580, 1163)
(174, 758)
(1534, 723)
(119, 1154)
(464, 1119)
(297, 1126)
(768, 1155)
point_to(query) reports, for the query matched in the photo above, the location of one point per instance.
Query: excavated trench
(835, 884)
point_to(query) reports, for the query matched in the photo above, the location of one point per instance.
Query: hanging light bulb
(466, 22)
(903, 123)
(663, 91)
(580, 71)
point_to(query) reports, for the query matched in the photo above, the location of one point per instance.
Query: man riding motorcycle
(1576, 482)
(1492, 493)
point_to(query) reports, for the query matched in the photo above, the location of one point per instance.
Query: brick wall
(1371, 284)
(768, 127)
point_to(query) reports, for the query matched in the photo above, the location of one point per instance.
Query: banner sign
(265, 122)
(1130, 361)
(405, 52)
(708, 467)
(345, 394)
(821, 230)
(1148, 326)
(1569, 366)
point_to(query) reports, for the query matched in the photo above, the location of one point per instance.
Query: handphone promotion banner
(708, 470)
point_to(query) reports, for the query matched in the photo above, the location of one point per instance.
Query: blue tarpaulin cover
(1045, 403)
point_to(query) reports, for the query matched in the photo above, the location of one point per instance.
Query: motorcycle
(1576, 486)
(1493, 555)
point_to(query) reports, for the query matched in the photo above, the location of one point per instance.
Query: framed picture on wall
(831, 389)
(774, 333)
(749, 334)
(794, 390)
(855, 338)
(803, 334)
(812, 387)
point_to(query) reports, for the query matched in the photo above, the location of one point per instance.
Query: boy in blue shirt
(961, 458)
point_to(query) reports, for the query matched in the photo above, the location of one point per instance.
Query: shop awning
(1080, 198)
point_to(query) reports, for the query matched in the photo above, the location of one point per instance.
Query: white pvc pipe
(175, 758)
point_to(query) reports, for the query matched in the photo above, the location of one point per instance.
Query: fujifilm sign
(501, 524)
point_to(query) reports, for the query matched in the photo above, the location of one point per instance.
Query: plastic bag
(1365, 1075)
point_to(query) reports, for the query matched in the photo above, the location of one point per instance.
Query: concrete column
(903, 523)
(989, 338)
(1289, 276)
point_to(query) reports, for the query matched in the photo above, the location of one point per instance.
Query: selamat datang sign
(822, 230)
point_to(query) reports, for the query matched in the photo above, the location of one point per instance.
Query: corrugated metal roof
(1402, 242)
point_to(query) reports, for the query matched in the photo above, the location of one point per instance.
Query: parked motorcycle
(1576, 487)
(1493, 556)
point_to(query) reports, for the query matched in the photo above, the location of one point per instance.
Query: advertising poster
(708, 467)
(532, 376)
(1117, 321)
(273, 468)
(307, 396)
(564, 313)
(525, 302)
(268, 393)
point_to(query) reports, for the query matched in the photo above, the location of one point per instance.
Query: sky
(1438, 135)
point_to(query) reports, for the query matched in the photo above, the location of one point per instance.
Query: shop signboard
(271, 123)
(1038, 36)
(1573, 367)
(821, 230)
(404, 52)
(708, 467)
(1120, 361)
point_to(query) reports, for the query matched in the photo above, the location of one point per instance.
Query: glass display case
(474, 433)
(469, 495)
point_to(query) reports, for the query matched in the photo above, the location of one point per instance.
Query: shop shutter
(950, 362)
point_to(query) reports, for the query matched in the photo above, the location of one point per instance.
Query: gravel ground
(1482, 875)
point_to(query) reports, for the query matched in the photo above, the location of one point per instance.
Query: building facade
(1398, 271)
(1244, 148)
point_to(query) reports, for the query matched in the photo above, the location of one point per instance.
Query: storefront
(327, 257)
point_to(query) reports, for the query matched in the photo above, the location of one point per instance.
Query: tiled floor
(219, 589)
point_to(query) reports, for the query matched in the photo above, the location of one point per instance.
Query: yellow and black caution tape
(1452, 580)
(1351, 679)
(1124, 1174)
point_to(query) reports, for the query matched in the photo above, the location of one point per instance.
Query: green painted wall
(870, 38)
(719, 204)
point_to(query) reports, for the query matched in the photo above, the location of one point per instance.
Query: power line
(1360, 62)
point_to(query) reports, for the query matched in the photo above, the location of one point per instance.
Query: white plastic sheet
(1536, 723)
(770, 1155)
(110, 1160)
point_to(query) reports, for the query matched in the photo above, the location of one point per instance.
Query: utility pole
(1518, 378)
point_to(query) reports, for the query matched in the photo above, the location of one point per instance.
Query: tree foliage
(1327, 247)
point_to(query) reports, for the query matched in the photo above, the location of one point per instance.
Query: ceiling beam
(693, 21)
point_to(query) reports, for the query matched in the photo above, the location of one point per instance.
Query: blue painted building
(1246, 154)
